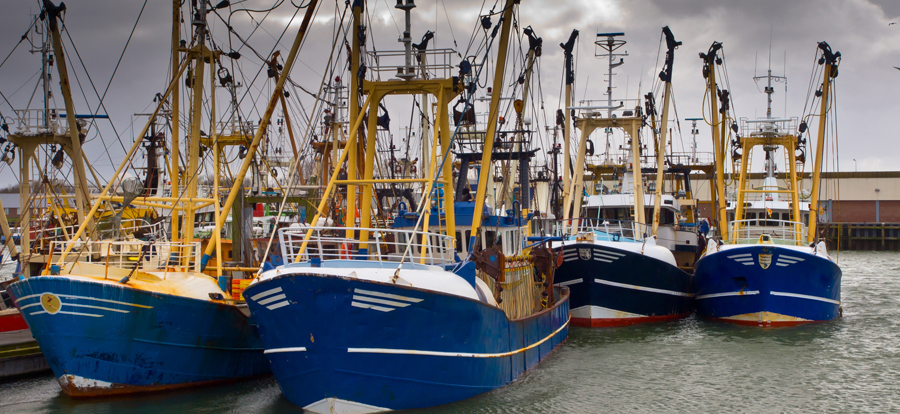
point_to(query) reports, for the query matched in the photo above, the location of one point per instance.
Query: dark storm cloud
(867, 87)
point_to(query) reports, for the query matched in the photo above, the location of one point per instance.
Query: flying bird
(896, 68)
(892, 23)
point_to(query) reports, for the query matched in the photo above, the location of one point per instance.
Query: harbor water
(848, 365)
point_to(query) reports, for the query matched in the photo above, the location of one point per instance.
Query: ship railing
(778, 231)
(438, 62)
(45, 237)
(384, 245)
(605, 229)
(32, 121)
(136, 254)
(763, 127)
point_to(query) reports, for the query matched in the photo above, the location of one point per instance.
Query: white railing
(779, 231)
(768, 127)
(32, 121)
(615, 229)
(440, 62)
(384, 245)
(146, 256)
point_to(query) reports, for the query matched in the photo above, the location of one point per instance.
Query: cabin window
(491, 238)
(786, 216)
(459, 242)
(468, 234)
(806, 219)
(730, 216)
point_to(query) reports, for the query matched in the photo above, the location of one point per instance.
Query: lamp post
(854, 166)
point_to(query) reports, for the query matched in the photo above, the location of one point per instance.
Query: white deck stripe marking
(648, 289)
(106, 300)
(96, 307)
(719, 295)
(278, 305)
(271, 299)
(266, 293)
(381, 301)
(739, 255)
(797, 295)
(387, 295)
(292, 349)
(454, 354)
(799, 259)
(28, 306)
(368, 306)
(570, 282)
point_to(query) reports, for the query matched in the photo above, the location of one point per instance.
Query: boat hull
(104, 339)
(331, 352)
(613, 287)
(794, 287)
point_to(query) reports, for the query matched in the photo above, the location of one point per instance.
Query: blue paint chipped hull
(616, 287)
(438, 350)
(796, 286)
(106, 339)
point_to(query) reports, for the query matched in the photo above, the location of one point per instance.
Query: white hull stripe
(387, 295)
(266, 293)
(278, 305)
(791, 258)
(740, 255)
(369, 306)
(380, 301)
(570, 282)
(68, 313)
(96, 307)
(599, 259)
(84, 298)
(454, 354)
(643, 288)
(293, 349)
(611, 253)
(797, 295)
(597, 254)
(719, 295)
(28, 306)
(271, 299)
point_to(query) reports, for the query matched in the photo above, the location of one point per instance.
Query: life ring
(345, 250)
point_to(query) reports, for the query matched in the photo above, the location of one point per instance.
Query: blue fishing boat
(125, 314)
(362, 319)
(770, 267)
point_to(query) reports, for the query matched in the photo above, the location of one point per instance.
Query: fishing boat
(617, 271)
(363, 319)
(769, 267)
(125, 315)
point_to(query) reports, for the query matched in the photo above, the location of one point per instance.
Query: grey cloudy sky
(860, 29)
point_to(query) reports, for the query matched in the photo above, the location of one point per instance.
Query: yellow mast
(709, 70)
(257, 137)
(665, 76)
(175, 174)
(831, 61)
(493, 112)
(82, 191)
